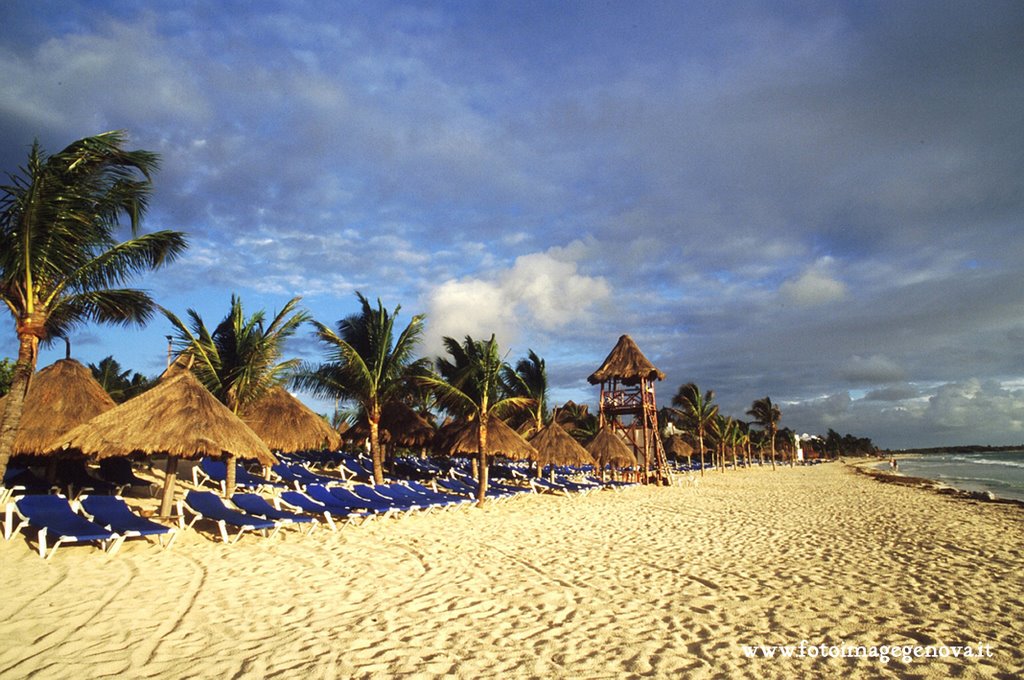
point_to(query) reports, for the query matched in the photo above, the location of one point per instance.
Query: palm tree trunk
(232, 473)
(700, 443)
(28, 354)
(230, 463)
(170, 478)
(375, 452)
(481, 494)
(772, 440)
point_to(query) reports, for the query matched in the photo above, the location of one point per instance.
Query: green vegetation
(60, 263)
(120, 384)
(240, 360)
(6, 375)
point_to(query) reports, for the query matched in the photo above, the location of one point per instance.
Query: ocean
(1001, 473)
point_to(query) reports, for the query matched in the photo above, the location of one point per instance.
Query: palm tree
(530, 380)
(121, 385)
(60, 263)
(735, 438)
(743, 440)
(241, 359)
(697, 412)
(367, 363)
(6, 375)
(767, 415)
(470, 386)
(727, 433)
(577, 420)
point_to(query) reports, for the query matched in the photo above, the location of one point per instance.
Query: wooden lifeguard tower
(628, 407)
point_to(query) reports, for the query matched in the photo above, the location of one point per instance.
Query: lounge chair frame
(109, 544)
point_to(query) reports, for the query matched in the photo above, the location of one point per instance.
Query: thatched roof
(404, 426)
(182, 362)
(678, 447)
(60, 397)
(627, 364)
(286, 424)
(555, 446)
(399, 424)
(178, 417)
(609, 449)
(460, 438)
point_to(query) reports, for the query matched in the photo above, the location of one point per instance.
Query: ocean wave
(985, 461)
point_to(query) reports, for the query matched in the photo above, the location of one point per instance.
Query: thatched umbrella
(625, 364)
(286, 424)
(462, 438)
(609, 449)
(60, 397)
(182, 362)
(400, 424)
(678, 448)
(555, 446)
(179, 417)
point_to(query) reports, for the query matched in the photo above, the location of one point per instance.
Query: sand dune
(647, 582)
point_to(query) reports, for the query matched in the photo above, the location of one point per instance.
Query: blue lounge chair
(582, 487)
(494, 492)
(114, 514)
(350, 501)
(357, 469)
(22, 481)
(119, 471)
(254, 504)
(393, 496)
(329, 511)
(300, 477)
(216, 472)
(206, 505)
(52, 517)
(73, 475)
(453, 500)
(404, 493)
(370, 493)
(541, 485)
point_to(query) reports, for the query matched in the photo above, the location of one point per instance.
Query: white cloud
(816, 286)
(541, 292)
(141, 81)
(874, 369)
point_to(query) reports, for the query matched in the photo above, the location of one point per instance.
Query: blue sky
(820, 202)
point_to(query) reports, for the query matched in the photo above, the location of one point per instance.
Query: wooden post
(169, 481)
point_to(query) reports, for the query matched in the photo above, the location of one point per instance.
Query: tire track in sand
(143, 655)
(54, 639)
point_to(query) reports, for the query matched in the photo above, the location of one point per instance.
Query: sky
(820, 202)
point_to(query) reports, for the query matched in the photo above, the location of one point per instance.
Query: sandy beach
(658, 582)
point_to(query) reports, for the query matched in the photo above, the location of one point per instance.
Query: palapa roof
(678, 447)
(178, 417)
(286, 424)
(60, 397)
(405, 426)
(460, 438)
(555, 446)
(627, 364)
(182, 362)
(399, 423)
(609, 449)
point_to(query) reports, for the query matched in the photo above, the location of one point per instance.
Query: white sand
(648, 582)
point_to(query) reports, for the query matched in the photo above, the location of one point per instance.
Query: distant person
(893, 464)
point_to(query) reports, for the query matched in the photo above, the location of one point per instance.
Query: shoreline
(655, 581)
(870, 467)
